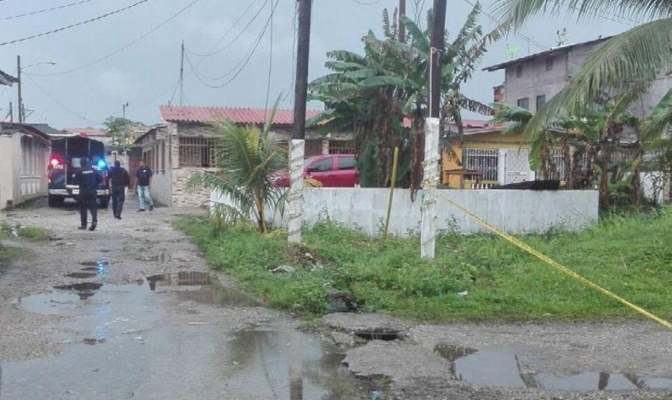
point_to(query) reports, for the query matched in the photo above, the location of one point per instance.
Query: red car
(333, 170)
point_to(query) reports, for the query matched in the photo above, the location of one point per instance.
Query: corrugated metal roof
(237, 115)
(550, 52)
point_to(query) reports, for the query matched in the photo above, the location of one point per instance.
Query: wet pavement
(132, 311)
(123, 345)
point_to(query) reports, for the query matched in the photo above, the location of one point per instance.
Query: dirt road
(149, 322)
(131, 311)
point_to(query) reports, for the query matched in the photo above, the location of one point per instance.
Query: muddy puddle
(503, 368)
(124, 344)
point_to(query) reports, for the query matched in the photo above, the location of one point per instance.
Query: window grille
(485, 161)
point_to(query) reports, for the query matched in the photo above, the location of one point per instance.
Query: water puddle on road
(124, 344)
(503, 368)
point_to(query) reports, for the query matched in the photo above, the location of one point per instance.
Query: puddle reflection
(503, 368)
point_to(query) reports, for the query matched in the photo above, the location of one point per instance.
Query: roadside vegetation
(477, 277)
(15, 231)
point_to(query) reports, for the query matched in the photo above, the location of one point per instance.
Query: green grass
(26, 232)
(631, 256)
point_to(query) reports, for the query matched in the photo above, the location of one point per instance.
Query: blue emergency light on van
(102, 164)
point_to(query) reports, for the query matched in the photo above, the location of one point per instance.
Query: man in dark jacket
(143, 179)
(119, 180)
(88, 180)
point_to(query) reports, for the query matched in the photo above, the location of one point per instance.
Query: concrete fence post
(429, 189)
(295, 198)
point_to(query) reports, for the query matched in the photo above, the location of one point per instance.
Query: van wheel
(55, 201)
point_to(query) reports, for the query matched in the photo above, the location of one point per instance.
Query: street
(130, 311)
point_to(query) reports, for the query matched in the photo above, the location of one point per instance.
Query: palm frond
(655, 125)
(521, 11)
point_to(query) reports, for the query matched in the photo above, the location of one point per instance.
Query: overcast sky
(82, 91)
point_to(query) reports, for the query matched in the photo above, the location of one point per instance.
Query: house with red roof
(187, 140)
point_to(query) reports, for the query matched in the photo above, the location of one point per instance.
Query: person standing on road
(119, 180)
(88, 180)
(143, 180)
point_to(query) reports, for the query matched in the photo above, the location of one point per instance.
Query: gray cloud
(146, 74)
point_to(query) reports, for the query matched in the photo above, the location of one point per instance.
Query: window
(549, 64)
(519, 71)
(197, 152)
(524, 103)
(313, 147)
(341, 147)
(485, 161)
(323, 165)
(346, 163)
(541, 100)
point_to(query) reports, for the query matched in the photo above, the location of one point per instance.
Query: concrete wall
(515, 211)
(23, 168)
(10, 168)
(535, 80)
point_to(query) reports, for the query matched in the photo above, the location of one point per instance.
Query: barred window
(313, 147)
(342, 147)
(485, 161)
(198, 152)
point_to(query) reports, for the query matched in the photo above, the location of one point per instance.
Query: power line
(45, 10)
(176, 87)
(63, 106)
(129, 44)
(270, 67)
(242, 64)
(296, 32)
(88, 21)
(212, 50)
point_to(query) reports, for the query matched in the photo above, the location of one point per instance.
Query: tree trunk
(567, 161)
(604, 177)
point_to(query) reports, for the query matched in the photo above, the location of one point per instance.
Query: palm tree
(247, 157)
(622, 63)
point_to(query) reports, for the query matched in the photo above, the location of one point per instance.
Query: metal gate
(516, 166)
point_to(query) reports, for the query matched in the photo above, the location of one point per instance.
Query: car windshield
(307, 161)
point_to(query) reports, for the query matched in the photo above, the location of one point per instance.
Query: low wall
(514, 211)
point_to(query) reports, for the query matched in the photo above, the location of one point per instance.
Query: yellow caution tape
(556, 265)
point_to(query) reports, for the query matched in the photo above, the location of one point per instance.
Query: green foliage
(371, 94)
(33, 233)
(247, 157)
(477, 277)
(120, 130)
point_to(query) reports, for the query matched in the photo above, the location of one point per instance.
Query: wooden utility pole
(401, 27)
(20, 103)
(297, 149)
(436, 44)
(302, 57)
(182, 76)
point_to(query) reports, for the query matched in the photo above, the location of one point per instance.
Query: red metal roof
(236, 115)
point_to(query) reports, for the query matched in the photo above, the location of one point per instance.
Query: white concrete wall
(515, 211)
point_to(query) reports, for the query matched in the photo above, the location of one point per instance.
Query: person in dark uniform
(88, 180)
(119, 180)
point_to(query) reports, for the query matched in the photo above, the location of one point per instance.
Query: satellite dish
(512, 50)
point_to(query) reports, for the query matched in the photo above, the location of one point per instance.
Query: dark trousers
(118, 198)
(88, 201)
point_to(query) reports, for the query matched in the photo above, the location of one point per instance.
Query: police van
(65, 160)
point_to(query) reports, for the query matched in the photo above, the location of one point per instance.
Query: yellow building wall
(452, 158)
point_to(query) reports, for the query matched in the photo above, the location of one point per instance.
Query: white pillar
(295, 198)
(429, 189)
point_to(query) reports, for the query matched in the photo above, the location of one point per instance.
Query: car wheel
(55, 201)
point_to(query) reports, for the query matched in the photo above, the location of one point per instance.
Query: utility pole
(401, 27)
(182, 76)
(302, 57)
(432, 131)
(298, 146)
(18, 76)
(11, 112)
(436, 47)
(123, 108)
